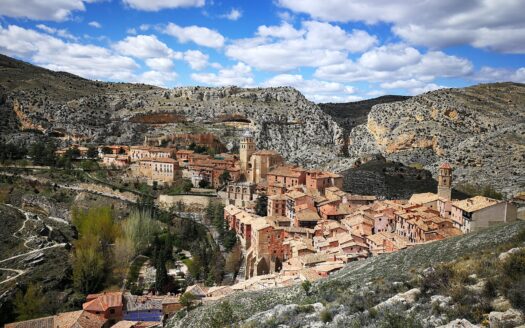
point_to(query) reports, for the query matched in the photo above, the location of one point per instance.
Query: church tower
(445, 181)
(247, 148)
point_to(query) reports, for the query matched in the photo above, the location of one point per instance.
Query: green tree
(43, 153)
(223, 316)
(261, 205)
(29, 305)
(88, 265)
(225, 177)
(72, 153)
(187, 300)
(140, 228)
(307, 285)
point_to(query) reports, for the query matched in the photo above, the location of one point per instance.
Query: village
(294, 225)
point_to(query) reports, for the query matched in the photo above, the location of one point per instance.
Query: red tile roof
(102, 302)
(445, 165)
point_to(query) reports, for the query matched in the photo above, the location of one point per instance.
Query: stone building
(267, 251)
(162, 171)
(445, 181)
(241, 194)
(277, 205)
(255, 165)
(480, 212)
(140, 152)
(319, 180)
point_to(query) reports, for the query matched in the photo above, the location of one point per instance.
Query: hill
(390, 290)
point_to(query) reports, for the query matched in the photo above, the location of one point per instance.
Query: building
(445, 181)
(115, 160)
(480, 212)
(74, 319)
(137, 153)
(428, 199)
(246, 149)
(161, 171)
(241, 194)
(285, 177)
(319, 180)
(277, 205)
(262, 162)
(266, 253)
(149, 308)
(108, 305)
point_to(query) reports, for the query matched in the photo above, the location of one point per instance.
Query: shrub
(325, 316)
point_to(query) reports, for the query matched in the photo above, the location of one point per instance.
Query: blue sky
(331, 50)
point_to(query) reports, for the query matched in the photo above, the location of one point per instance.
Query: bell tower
(246, 149)
(445, 181)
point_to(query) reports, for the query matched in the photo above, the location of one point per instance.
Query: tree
(92, 152)
(140, 229)
(187, 300)
(29, 305)
(72, 153)
(88, 265)
(307, 286)
(43, 153)
(261, 205)
(224, 316)
(225, 177)
(106, 150)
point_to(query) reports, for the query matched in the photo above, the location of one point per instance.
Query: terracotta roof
(423, 198)
(307, 215)
(102, 302)
(295, 194)
(445, 165)
(287, 171)
(46, 322)
(265, 152)
(277, 197)
(135, 324)
(475, 203)
(139, 303)
(79, 319)
(184, 151)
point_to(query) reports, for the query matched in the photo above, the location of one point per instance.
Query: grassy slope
(388, 267)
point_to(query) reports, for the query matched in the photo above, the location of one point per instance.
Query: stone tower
(246, 149)
(445, 181)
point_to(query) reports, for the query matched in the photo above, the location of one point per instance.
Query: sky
(330, 50)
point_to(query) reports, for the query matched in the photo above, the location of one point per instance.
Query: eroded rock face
(480, 130)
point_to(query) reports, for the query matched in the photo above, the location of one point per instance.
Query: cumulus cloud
(283, 48)
(144, 46)
(53, 10)
(314, 90)
(95, 24)
(233, 15)
(63, 33)
(155, 78)
(491, 24)
(196, 59)
(240, 74)
(156, 5)
(490, 74)
(86, 60)
(200, 35)
(162, 64)
(401, 64)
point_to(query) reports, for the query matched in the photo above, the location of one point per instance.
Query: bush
(325, 316)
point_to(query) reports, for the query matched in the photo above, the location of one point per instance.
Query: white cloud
(162, 64)
(283, 48)
(315, 90)
(53, 10)
(156, 5)
(390, 57)
(493, 24)
(490, 74)
(240, 74)
(95, 24)
(200, 35)
(196, 59)
(144, 46)
(157, 78)
(233, 15)
(63, 33)
(383, 65)
(86, 60)
(425, 88)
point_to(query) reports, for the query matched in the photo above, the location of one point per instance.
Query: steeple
(445, 181)
(247, 148)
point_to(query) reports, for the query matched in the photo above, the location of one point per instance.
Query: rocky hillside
(68, 107)
(462, 278)
(480, 130)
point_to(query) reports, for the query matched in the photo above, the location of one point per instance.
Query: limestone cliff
(73, 109)
(480, 130)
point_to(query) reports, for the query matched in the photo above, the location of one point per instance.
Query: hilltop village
(294, 225)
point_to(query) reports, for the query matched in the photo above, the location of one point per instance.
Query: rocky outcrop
(480, 130)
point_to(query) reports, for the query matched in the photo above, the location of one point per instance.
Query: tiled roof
(445, 165)
(265, 152)
(103, 301)
(158, 160)
(287, 171)
(79, 319)
(307, 215)
(475, 203)
(423, 198)
(46, 322)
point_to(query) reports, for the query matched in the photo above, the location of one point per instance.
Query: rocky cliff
(70, 108)
(480, 130)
